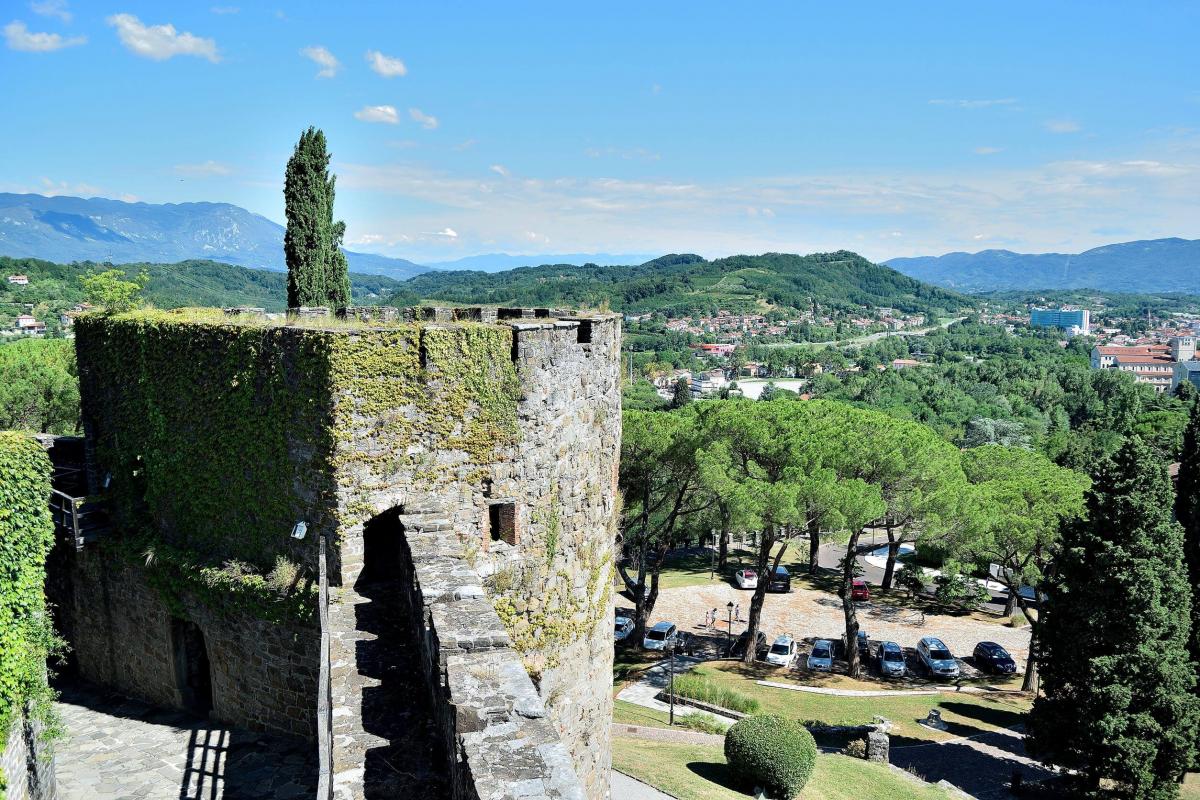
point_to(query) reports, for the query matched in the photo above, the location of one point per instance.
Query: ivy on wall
(26, 535)
(219, 433)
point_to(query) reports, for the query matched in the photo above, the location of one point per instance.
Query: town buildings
(1074, 321)
(1162, 365)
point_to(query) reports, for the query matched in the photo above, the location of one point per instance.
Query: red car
(860, 591)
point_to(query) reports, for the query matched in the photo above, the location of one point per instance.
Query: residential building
(1076, 321)
(905, 363)
(27, 325)
(19, 280)
(708, 383)
(1156, 364)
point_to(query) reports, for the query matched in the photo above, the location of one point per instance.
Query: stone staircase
(385, 742)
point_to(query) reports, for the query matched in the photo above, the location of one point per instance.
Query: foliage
(1118, 704)
(776, 753)
(1187, 511)
(679, 285)
(958, 588)
(55, 288)
(110, 291)
(312, 243)
(39, 389)
(27, 639)
(698, 687)
(703, 722)
(911, 578)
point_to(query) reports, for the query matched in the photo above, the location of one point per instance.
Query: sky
(891, 129)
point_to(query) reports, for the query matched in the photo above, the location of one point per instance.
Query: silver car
(820, 658)
(662, 636)
(936, 658)
(891, 660)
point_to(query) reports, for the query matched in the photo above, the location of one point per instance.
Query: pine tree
(1118, 704)
(1187, 511)
(317, 273)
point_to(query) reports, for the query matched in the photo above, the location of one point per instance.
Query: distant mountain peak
(1149, 265)
(67, 229)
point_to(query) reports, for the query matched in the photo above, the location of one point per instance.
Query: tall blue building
(1068, 320)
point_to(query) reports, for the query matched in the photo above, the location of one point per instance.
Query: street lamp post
(671, 680)
(729, 627)
(712, 551)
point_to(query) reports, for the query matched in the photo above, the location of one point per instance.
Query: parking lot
(809, 614)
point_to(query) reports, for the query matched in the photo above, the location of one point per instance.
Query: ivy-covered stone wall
(26, 637)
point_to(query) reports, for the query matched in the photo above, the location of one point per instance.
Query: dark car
(738, 648)
(991, 657)
(781, 580)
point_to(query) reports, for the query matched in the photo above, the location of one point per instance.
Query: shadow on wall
(394, 703)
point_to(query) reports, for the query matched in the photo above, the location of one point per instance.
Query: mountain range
(66, 229)
(497, 262)
(1154, 265)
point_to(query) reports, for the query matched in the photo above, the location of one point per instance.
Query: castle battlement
(212, 433)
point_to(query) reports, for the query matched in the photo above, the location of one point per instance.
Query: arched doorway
(192, 673)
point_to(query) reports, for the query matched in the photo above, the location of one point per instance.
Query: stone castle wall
(531, 512)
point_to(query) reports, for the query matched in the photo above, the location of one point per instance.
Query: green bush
(697, 687)
(775, 753)
(705, 723)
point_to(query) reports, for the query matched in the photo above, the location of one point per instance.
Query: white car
(783, 652)
(746, 579)
(661, 636)
(820, 659)
(623, 629)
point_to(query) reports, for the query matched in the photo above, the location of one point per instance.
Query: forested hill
(688, 284)
(53, 287)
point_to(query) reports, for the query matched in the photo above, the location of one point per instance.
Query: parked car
(820, 658)
(864, 645)
(738, 648)
(781, 580)
(662, 636)
(936, 658)
(891, 660)
(991, 657)
(783, 651)
(859, 590)
(746, 579)
(624, 627)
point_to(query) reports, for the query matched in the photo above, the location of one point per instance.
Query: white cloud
(387, 66)
(1003, 101)
(1062, 126)
(52, 8)
(384, 114)
(445, 233)
(324, 59)
(160, 42)
(987, 151)
(426, 121)
(500, 170)
(19, 37)
(206, 169)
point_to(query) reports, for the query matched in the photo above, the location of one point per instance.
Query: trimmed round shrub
(775, 753)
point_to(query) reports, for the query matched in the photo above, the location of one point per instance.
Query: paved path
(117, 749)
(979, 765)
(627, 788)
(654, 680)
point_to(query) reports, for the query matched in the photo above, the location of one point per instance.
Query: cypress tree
(317, 273)
(1118, 704)
(1187, 511)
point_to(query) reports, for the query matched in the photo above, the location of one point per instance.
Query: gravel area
(808, 613)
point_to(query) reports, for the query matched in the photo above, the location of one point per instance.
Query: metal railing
(80, 519)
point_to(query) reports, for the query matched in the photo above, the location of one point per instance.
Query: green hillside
(55, 287)
(679, 285)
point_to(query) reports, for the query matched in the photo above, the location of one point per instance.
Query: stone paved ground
(980, 765)
(117, 748)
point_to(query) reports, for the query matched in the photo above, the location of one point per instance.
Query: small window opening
(502, 522)
(583, 334)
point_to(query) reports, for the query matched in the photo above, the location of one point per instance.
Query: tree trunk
(893, 552)
(848, 605)
(1030, 682)
(814, 547)
(1010, 605)
(765, 540)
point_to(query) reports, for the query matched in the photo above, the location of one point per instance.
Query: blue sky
(891, 129)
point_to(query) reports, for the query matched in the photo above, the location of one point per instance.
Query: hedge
(775, 753)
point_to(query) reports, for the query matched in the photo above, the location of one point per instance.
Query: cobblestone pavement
(117, 748)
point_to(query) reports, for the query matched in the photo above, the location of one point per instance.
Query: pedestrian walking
(737, 612)
(714, 616)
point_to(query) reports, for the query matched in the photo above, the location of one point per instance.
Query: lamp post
(729, 627)
(712, 551)
(671, 680)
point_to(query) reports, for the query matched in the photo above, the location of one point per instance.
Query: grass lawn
(696, 772)
(964, 714)
(628, 662)
(626, 713)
